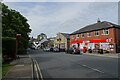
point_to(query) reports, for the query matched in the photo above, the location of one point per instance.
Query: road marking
(93, 68)
(39, 70)
(36, 71)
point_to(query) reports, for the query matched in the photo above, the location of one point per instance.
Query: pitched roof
(96, 26)
(67, 35)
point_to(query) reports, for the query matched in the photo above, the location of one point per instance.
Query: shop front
(94, 44)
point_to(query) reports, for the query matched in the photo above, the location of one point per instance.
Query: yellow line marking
(36, 71)
(39, 70)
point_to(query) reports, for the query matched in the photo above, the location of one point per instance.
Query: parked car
(84, 50)
(51, 49)
(76, 51)
(90, 50)
(56, 49)
(70, 50)
(62, 50)
(46, 49)
(33, 47)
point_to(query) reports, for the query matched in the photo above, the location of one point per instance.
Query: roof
(67, 35)
(96, 26)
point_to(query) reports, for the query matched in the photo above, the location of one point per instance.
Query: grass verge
(5, 68)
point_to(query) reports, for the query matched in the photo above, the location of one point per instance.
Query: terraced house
(101, 35)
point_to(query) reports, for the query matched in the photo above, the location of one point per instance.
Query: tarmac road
(61, 65)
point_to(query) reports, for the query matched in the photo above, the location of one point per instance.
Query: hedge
(8, 46)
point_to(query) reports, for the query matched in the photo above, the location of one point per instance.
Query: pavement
(112, 55)
(21, 70)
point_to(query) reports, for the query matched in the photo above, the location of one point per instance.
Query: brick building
(101, 35)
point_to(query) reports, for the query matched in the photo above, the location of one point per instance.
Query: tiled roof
(67, 35)
(96, 26)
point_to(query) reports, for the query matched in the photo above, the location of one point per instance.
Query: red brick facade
(110, 42)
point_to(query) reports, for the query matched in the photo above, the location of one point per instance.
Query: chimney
(98, 20)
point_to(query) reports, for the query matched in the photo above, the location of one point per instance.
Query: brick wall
(111, 35)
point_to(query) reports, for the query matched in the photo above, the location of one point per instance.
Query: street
(61, 65)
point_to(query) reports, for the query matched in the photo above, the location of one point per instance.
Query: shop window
(82, 35)
(105, 31)
(88, 34)
(96, 33)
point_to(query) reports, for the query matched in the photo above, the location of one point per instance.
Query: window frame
(89, 34)
(95, 33)
(72, 36)
(82, 35)
(104, 32)
(77, 36)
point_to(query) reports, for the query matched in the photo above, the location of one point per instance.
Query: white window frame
(89, 34)
(72, 36)
(77, 36)
(82, 35)
(104, 33)
(95, 33)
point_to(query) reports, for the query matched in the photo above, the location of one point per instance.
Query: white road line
(93, 68)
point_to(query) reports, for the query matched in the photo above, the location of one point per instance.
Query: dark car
(51, 49)
(70, 50)
(76, 51)
(90, 50)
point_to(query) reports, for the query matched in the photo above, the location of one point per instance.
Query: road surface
(61, 65)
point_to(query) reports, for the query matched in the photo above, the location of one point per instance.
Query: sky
(67, 17)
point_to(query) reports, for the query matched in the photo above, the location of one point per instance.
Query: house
(62, 41)
(51, 41)
(101, 35)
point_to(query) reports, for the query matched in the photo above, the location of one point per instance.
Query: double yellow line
(37, 70)
(36, 67)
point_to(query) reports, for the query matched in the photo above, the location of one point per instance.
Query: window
(72, 36)
(96, 33)
(77, 36)
(82, 35)
(88, 34)
(105, 32)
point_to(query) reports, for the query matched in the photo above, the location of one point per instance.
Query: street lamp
(17, 37)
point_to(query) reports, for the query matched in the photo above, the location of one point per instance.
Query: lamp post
(17, 37)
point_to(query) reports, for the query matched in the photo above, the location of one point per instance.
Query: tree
(14, 23)
(41, 36)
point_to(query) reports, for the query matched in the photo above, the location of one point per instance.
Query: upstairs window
(96, 33)
(82, 35)
(72, 36)
(88, 34)
(77, 36)
(105, 32)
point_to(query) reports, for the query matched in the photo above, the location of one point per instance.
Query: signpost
(17, 37)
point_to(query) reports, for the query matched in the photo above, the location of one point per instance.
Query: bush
(8, 46)
(22, 51)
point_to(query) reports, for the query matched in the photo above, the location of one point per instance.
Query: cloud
(61, 0)
(53, 17)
